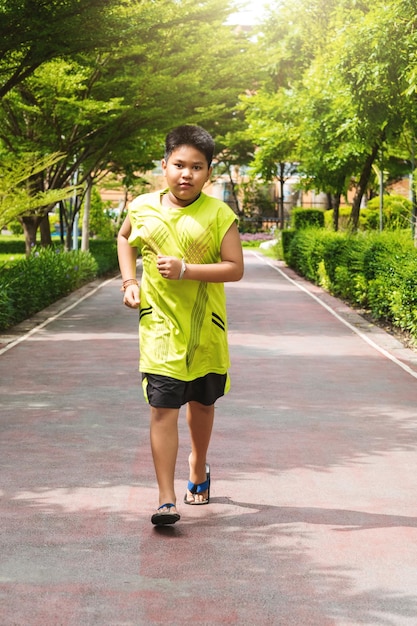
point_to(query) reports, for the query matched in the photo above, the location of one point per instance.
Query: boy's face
(186, 172)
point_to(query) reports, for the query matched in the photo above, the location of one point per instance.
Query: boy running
(190, 246)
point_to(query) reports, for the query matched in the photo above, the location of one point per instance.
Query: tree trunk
(336, 206)
(414, 214)
(329, 200)
(122, 208)
(30, 225)
(45, 231)
(68, 238)
(233, 189)
(413, 195)
(361, 188)
(281, 205)
(281, 178)
(61, 222)
(85, 235)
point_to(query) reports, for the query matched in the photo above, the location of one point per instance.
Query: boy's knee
(160, 414)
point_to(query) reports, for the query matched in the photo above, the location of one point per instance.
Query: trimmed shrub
(306, 252)
(30, 285)
(375, 270)
(343, 258)
(390, 268)
(396, 213)
(105, 255)
(286, 238)
(12, 245)
(307, 218)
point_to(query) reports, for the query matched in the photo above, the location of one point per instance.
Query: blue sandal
(161, 519)
(197, 489)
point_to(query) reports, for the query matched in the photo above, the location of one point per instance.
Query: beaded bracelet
(129, 281)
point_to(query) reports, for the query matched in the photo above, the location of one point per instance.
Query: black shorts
(170, 393)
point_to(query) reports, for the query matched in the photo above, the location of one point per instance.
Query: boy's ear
(164, 164)
(210, 171)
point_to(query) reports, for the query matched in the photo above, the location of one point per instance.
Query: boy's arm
(229, 269)
(127, 263)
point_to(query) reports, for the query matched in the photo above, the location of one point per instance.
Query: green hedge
(286, 237)
(105, 255)
(29, 285)
(374, 270)
(305, 218)
(12, 245)
(306, 251)
(396, 215)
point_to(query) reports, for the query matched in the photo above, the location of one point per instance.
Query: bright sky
(250, 13)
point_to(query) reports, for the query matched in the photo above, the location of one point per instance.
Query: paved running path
(313, 519)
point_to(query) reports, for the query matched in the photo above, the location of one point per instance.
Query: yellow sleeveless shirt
(183, 324)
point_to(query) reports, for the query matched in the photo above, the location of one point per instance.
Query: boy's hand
(131, 297)
(169, 266)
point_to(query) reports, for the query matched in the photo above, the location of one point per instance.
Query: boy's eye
(196, 167)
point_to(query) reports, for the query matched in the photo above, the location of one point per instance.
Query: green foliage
(105, 255)
(370, 269)
(31, 34)
(306, 252)
(29, 285)
(15, 227)
(12, 249)
(343, 262)
(334, 253)
(396, 213)
(388, 266)
(385, 254)
(12, 245)
(272, 128)
(256, 198)
(95, 96)
(101, 224)
(277, 251)
(339, 94)
(344, 219)
(17, 198)
(305, 218)
(46, 275)
(286, 238)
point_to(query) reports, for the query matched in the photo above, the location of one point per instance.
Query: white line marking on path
(360, 334)
(39, 327)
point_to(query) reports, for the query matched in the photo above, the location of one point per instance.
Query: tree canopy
(329, 85)
(33, 31)
(108, 109)
(349, 73)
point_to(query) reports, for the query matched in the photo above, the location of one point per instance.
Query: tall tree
(343, 65)
(272, 129)
(111, 110)
(371, 66)
(35, 31)
(17, 198)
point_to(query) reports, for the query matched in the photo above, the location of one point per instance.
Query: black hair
(190, 135)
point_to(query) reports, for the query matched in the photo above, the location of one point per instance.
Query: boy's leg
(200, 420)
(164, 445)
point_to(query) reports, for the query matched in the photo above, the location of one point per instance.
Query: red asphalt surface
(313, 515)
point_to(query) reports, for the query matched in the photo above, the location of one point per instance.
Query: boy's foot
(198, 494)
(165, 514)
